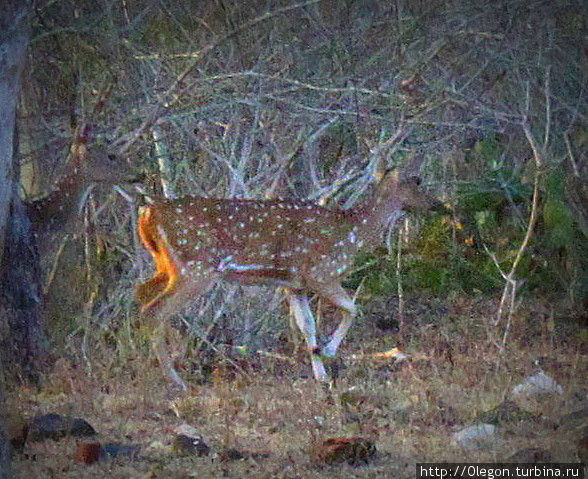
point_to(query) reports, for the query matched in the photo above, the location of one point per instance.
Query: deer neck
(375, 216)
(57, 211)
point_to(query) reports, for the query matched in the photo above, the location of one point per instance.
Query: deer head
(86, 167)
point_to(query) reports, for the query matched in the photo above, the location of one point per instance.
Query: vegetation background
(302, 99)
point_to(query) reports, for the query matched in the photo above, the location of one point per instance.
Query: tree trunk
(14, 38)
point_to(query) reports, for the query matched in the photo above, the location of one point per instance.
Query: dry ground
(410, 410)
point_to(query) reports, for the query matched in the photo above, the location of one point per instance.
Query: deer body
(284, 243)
(298, 245)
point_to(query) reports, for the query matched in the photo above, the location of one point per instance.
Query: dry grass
(410, 410)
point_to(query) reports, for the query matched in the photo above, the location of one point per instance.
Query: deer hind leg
(336, 295)
(300, 308)
(165, 281)
(157, 291)
(161, 348)
(151, 289)
(163, 285)
(158, 315)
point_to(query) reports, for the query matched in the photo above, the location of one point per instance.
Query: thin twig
(510, 286)
(402, 233)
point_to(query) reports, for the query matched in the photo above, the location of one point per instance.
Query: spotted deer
(87, 166)
(298, 245)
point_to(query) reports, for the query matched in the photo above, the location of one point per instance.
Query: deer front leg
(300, 308)
(336, 295)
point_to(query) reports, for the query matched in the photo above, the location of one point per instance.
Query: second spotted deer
(87, 166)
